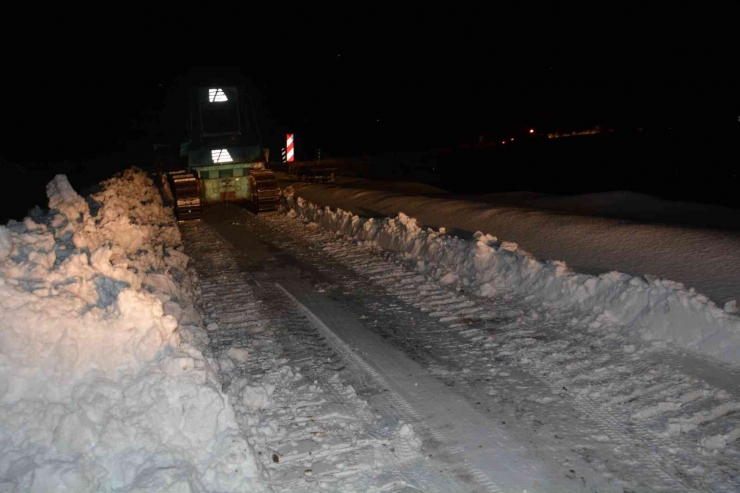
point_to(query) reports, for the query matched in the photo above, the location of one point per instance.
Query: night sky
(352, 83)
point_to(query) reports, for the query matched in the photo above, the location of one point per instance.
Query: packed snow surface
(103, 386)
(661, 311)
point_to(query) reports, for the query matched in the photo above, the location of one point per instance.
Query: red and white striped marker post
(289, 147)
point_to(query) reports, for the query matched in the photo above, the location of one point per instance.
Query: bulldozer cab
(218, 111)
(220, 128)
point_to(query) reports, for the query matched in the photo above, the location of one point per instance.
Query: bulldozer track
(366, 446)
(482, 479)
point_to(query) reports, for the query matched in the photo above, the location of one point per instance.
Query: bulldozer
(222, 159)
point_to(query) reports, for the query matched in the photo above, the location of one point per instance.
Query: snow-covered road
(351, 370)
(315, 350)
(296, 395)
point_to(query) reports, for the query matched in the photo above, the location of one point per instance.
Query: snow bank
(102, 384)
(662, 311)
(704, 259)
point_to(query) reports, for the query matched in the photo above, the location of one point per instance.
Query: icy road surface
(351, 372)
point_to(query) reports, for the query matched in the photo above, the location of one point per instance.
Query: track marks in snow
(309, 429)
(645, 410)
(483, 480)
(316, 424)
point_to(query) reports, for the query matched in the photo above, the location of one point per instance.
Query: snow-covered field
(103, 384)
(621, 204)
(589, 233)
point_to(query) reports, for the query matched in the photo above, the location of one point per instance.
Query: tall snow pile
(663, 312)
(102, 384)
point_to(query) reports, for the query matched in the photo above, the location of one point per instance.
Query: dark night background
(87, 96)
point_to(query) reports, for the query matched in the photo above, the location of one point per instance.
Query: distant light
(378, 119)
(531, 130)
(216, 95)
(503, 142)
(512, 139)
(221, 156)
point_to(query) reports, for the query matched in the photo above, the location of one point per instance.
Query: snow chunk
(63, 198)
(731, 307)
(240, 355)
(256, 397)
(6, 243)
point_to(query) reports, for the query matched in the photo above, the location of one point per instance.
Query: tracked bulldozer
(222, 160)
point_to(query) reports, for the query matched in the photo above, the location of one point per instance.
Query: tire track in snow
(228, 299)
(604, 421)
(365, 454)
(483, 480)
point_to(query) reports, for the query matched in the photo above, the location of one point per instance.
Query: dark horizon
(384, 84)
(487, 72)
